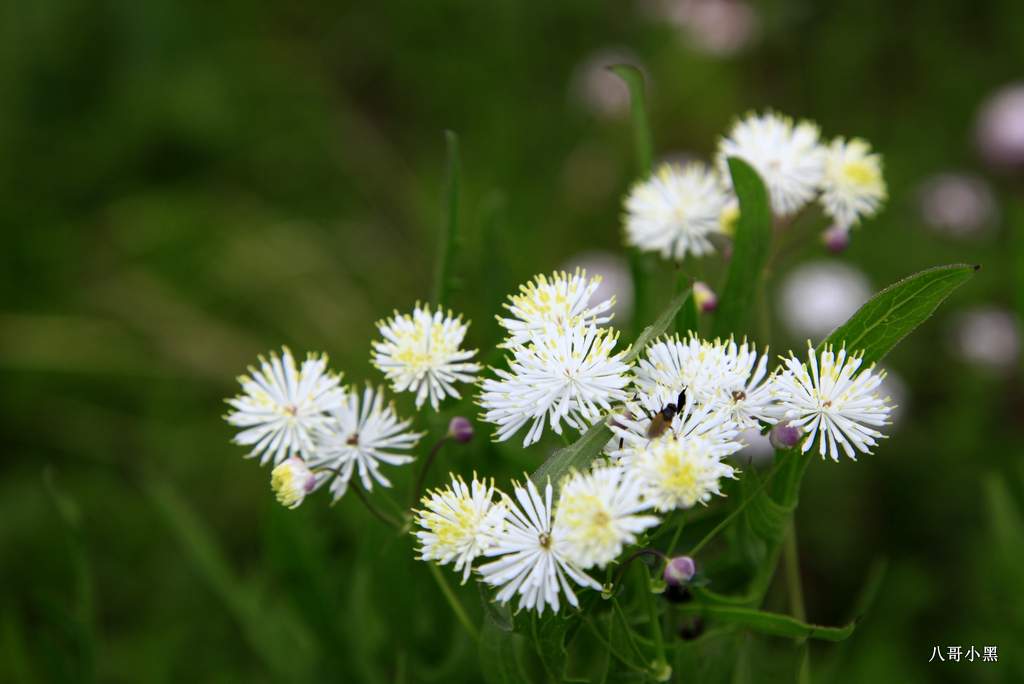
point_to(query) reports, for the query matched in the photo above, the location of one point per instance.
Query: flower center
(353, 440)
(544, 539)
(739, 395)
(291, 410)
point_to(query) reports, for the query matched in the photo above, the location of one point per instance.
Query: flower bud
(292, 481)
(460, 429)
(785, 436)
(704, 297)
(836, 239)
(679, 571)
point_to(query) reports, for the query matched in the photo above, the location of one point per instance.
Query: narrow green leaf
(750, 250)
(577, 455)
(773, 624)
(658, 327)
(644, 156)
(583, 451)
(642, 141)
(444, 278)
(894, 312)
(686, 319)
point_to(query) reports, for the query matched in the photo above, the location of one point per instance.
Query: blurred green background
(184, 185)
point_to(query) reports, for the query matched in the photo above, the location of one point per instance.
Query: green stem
(376, 512)
(417, 490)
(675, 537)
(607, 644)
(453, 601)
(646, 590)
(792, 567)
(626, 628)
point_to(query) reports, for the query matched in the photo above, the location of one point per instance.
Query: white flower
(282, 406)
(634, 429)
(597, 515)
(532, 559)
(566, 374)
(714, 373)
(420, 353)
(459, 523)
(675, 210)
(561, 300)
(833, 403)
(853, 186)
(679, 472)
(362, 435)
(789, 158)
(292, 481)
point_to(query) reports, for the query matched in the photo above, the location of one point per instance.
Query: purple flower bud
(460, 429)
(785, 436)
(836, 239)
(679, 571)
(704, 297)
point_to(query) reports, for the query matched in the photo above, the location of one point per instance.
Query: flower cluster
(680, 210)
(320, 433)
(686, 401)
(563, 367)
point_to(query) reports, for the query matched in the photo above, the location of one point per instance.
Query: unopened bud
(785, 436)
(460, 429)
(679, 571)
(836, 239)
(292, 481)
(704, 297)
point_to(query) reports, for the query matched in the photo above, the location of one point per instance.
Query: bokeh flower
(852, 187)
(788, 157)
(676, 210)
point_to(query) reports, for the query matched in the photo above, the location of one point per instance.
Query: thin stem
(727, 519)
(660, 663)
(376, 512)
(453, 601)
(675, 537)
(417, 490)
(793, 585)
(607, 644)
(632, 557)
(626, 628)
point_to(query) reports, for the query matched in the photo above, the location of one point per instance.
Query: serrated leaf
(773, 624)
(549, 632)
(894, 312)
(750, 250)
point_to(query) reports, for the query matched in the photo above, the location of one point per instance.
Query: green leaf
(642, 141)
(577, 455)
(549, 632)
(894, 312)
(660, 325)
(501, 655)
(686, 319)
(644, 155)
(444, 279)
(750, 250)
(773, 624)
